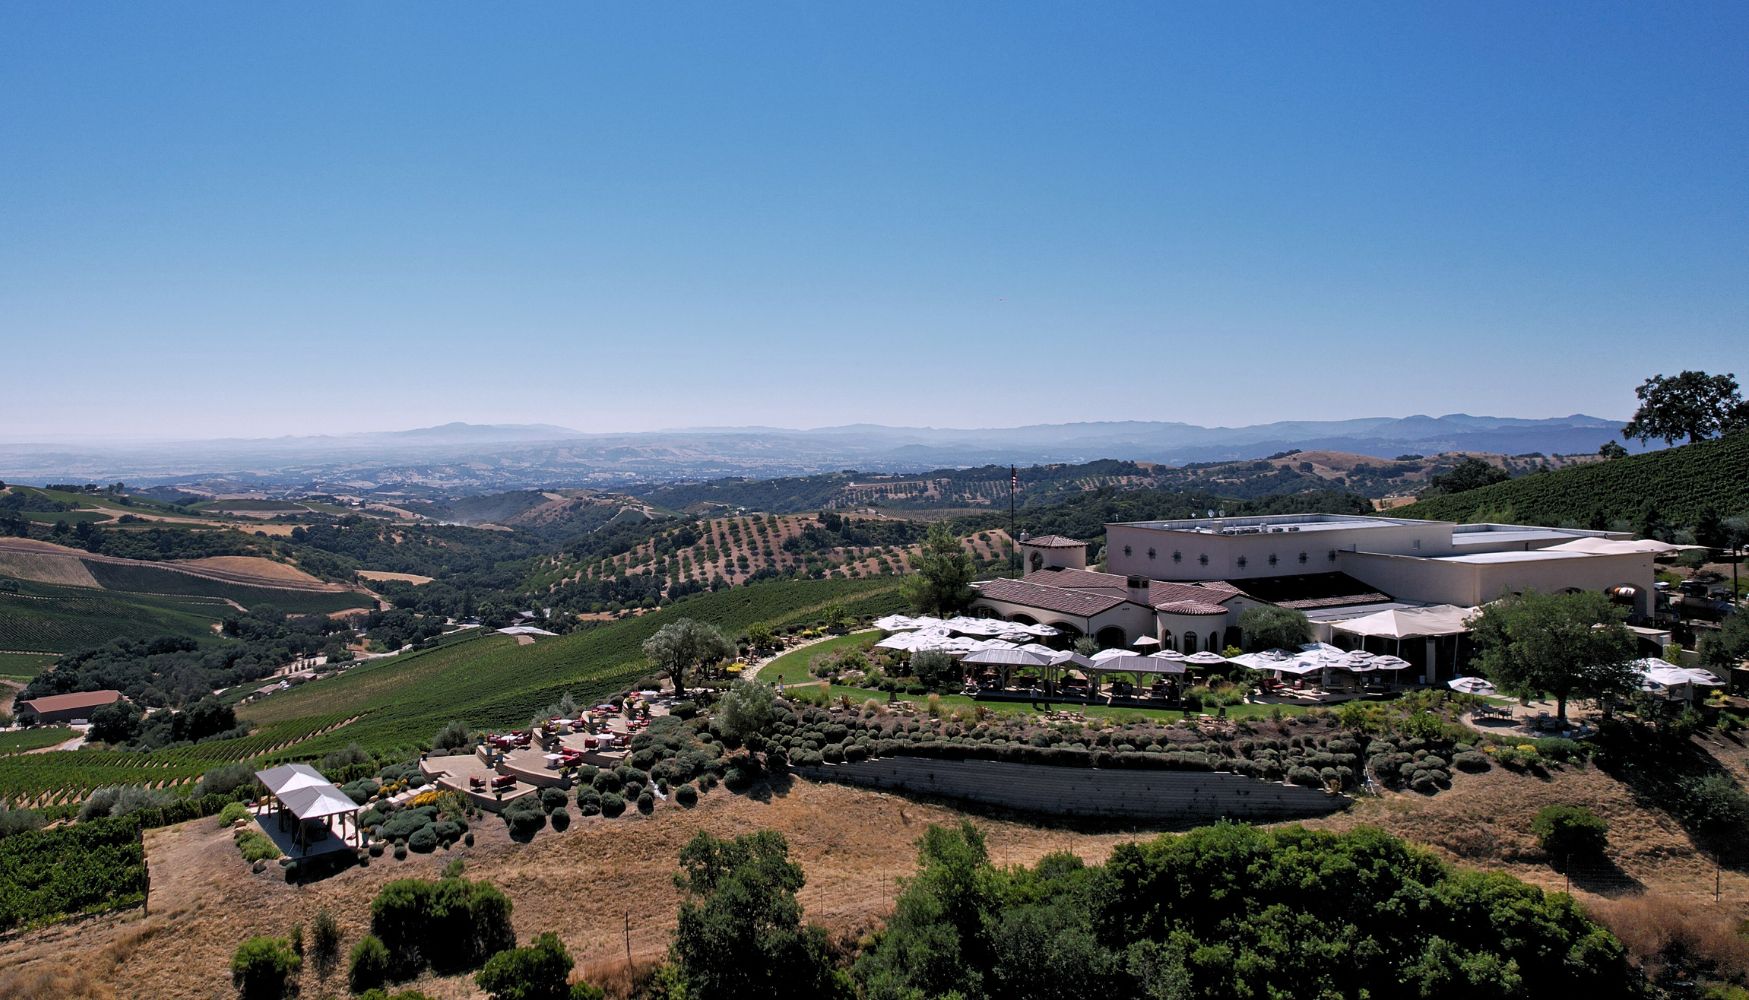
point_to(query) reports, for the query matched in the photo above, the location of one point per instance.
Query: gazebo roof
(317, 802)
(290, 777)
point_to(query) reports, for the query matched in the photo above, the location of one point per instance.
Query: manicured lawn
(792, 667)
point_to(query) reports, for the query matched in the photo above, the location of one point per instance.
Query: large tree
(1559, 645)
(740, 932)
(1469, 474)
(1692, 405)
(1274, 628)
(684, 646)
(941, 576)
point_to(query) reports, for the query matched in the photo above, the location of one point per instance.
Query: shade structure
(903, 641)
(317, 802)
(1142, 642)
(1656, 675)
(1168, 654)
(1403, 623)
(1068, 659)
(1105, 656)
(894, 623)
(1205, 659)
(1039, 647)
(1160, 663)
(997, 644)
(1007, 658)
(1471, 685)
(1390, 663)
(291, 777)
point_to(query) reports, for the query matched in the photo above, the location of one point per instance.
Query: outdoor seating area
(310, 815)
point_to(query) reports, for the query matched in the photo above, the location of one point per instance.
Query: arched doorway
(1189, 643)
(1167, 639)
(1066, 633)
(1214, 642)
(1111, 637)
(1023, 619)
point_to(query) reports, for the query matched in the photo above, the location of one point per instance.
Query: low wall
(1075, 791)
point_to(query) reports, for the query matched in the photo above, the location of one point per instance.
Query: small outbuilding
(306, 803)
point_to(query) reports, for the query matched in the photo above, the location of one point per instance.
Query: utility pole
(1013, 486)
(628, 942)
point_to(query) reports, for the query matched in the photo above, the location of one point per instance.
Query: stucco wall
(1196, 796)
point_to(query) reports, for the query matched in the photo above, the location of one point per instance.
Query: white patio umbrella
(1471, 685)
(1168, 654)
(895, 623)
(1205, 659)
(905, 641)
(1142, 642)
(1105, 656)
(1390, 663)
(1068, 659)
(1160, 663)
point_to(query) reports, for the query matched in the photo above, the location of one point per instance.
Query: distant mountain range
(460, 457)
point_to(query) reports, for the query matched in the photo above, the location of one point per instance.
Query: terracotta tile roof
(1080, 579)
(78, 699)
(1190, 608)
(1054, 542)
(1161, 592)
(1058, 599)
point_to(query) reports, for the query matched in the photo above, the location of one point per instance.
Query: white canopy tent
(1406, 623)
(305, 795)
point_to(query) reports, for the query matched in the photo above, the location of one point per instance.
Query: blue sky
(265, 219)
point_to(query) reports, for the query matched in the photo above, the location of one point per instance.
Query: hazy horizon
(259, 222)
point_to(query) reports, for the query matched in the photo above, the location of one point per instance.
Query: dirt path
(760, 665)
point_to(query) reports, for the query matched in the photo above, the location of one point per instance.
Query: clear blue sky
(239, 219)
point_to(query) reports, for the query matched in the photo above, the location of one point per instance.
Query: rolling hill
(1678, 482)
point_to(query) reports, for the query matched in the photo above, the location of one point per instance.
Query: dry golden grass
(254, 568)
(377, 574)
(46, 567)
(1665, 933)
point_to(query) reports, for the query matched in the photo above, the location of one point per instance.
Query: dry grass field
(589, 881)
(379, 575)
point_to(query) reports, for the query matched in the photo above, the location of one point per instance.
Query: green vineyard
(153, 580)
(46, 618)
(1678, 482)
(395, 705)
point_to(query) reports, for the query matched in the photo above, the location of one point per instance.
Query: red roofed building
(57, 708)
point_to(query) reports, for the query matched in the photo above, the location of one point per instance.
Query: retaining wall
(1077, 791)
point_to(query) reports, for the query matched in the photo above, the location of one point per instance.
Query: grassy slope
(491, 681)
(1679, 481)
(33, 739)
(23, 666)
(152, 580)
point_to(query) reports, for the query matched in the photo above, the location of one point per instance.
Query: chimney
(1138, 587)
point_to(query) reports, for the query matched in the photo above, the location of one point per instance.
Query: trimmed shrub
(686, 795)
(233, 812)
(560, 818)
(612, 805)
(646, 803)
(552, 798)
(265, 968)
(423, 840)
(369, 965)
(1565, 831)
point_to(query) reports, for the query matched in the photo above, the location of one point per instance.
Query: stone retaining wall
(1198, 796)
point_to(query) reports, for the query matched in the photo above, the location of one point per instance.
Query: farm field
(489, 680)
(1678, 482)
(34, 739)
(23, 666)
(737, 548)
(50, 619)
(147, 579)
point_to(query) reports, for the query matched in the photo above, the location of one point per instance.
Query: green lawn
(69, 516)
(34, 739)
(23, 666)
(792, 667)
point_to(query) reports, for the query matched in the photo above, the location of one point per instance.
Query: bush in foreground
(369, 966)
(265, 968)
(1570, 831)
(538, 972)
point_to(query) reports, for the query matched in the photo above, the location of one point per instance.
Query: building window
(1332, 555)
(1126, 550)
(1204, 559)
(1241, 562)
(1177, 557)
(1272, 559)
(1150, 553)
(1416, 543)
(1302, 558)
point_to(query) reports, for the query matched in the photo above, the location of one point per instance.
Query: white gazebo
(302, 794)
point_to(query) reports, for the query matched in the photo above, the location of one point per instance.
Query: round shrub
(686, 795)
(369, 966)
(376, 848)
(400, 851)
(607, 781)
(646, 803)
(1470, 760)
(468, 838)
(265, 968)
(423, 840)
(561, 819)
(612, 805)
(1567, 831)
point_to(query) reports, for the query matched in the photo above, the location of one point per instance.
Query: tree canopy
(1469, 474)
(684, 646)
(740, 931)
(941, 575)
(1232, 911)
(1560, 645)
(1692, 405)
(1268, 627)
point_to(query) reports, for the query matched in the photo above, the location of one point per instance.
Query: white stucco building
(1185, 582)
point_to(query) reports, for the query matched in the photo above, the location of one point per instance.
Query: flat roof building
(58, 708)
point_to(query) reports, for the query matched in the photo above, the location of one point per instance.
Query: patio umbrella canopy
(1007, 658)
(1105, 656)
(1471, 685)
(1145, 641)
(1205, 659)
